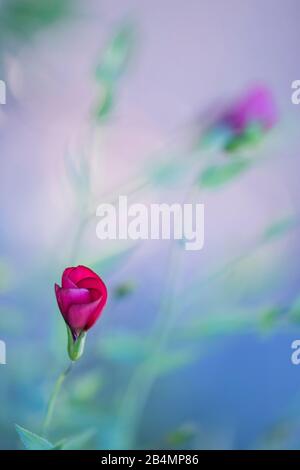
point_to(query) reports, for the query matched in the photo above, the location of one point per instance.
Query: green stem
(147, 371)
(145, 375)
(53, 399)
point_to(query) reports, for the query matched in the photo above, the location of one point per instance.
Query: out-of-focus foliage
(123, 361)
(280, 228)
(217, 175)
(106, 102)
(252, 135)
(182, 437)
(20, 19)
(124, 289)
(116, 55)
(123, 347)
(32, 441)
(112, 65)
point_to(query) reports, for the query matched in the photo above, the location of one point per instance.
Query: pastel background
(193, 350)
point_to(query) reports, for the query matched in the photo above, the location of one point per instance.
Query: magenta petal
(66, 282)
(96, 287)
(96, 314)
(80, 316)
(81, 298)
(80, 272)
(91, 283)
(57, 293)
(68, 297)
(257, 106)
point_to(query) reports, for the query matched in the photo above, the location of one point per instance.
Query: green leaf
(294, 312)
(280, 228)
(105, 105)
(216, 176)
(116, 55)
(77, 442)
(32, 441)
(23, 18)
(268, 319)
(251, 136)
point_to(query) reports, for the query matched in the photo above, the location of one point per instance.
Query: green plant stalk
(53, 399)
(133, 187)
(146, 373)
(199, 284)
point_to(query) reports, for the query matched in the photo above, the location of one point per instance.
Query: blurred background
(105, 98)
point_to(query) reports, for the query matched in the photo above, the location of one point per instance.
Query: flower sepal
(75, 345)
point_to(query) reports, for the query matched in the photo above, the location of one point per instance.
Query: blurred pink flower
(245, 122)
(257, 106)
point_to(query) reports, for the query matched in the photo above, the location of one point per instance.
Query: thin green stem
(147, 372)
(53, 399)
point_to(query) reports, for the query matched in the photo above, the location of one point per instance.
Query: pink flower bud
(81, 298)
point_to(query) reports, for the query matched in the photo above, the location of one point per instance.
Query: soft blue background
(189, 56)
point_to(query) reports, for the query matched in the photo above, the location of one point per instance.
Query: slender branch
(53, 399)
(147, 371)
